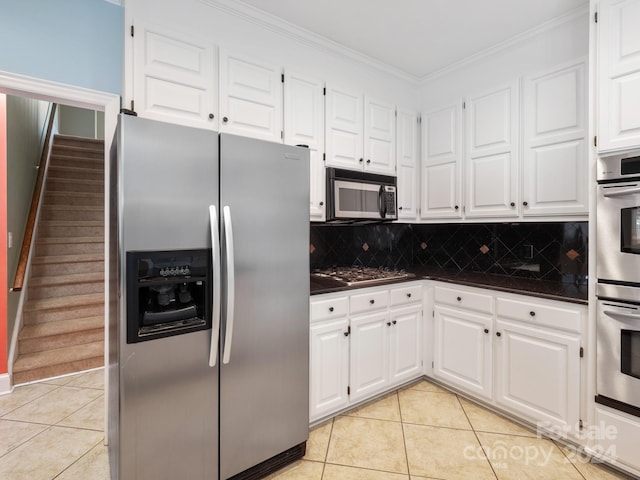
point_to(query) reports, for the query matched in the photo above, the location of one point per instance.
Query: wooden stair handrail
(29, 231)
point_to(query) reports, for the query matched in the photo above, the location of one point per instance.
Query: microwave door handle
(382, 206)
(620, 193)
(215, 260)
(622, 316)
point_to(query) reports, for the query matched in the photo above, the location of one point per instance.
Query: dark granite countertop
(568, 292)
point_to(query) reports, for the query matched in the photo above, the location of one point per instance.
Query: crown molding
(287, 29)
(519, 38)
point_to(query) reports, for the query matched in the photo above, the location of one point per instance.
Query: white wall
(215, 22)
(551, 46)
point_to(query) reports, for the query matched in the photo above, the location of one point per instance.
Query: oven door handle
(622, 316)
(215, 261)
(620, 193)
(382, 205)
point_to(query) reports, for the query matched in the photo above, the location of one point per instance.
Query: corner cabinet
(363, 344)
(520, 354)
(618, 75)
(175, 77)
(304, 125)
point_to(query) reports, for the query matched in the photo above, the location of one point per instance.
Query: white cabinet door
(491, 163)
(538, 373)
(441, 163)
(174, 77)
(555, 162)
(407, 164)
(618, 75)
(344, 128)
(462, 350)
(379, 137)
(250, 98)
(329, 367)
(405, 349)
(369, 355)
(304, 125)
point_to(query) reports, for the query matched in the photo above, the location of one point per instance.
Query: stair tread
(97, 208)
(71, 239)
(76, 180)
(65, 279)
(72, 193)
(82, 257)
(71, 223)
(64, 302)
(61, 327)
(58, 356)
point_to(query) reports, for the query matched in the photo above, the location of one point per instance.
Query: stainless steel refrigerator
(208, 350)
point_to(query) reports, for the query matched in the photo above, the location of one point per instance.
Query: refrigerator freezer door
(264, 406)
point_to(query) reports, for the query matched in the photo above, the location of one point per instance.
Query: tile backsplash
(551, 251)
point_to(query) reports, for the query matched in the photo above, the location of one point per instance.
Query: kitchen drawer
(329, 308)
(537, 313)
(367, 302)
(406, 295)
(464, 299)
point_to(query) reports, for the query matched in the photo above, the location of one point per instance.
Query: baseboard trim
(5, 383)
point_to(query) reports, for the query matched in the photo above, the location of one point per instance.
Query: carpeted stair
(63, 314)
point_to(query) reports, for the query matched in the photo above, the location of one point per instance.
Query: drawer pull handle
(498, 334)
(388, 324)
(408, 295)
(532, 313)
(394, 322)
(486, 330)
(331, 309)
(459, 299)
(372, 301)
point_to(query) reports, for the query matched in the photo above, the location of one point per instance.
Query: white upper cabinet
(250, 97)
(618, 75)
(492, 120)
(344, 128)
(174, 77)
(407, 164)
(360, 132)
(441, 163)
(555, 163)
(304, 125)
(379, 137)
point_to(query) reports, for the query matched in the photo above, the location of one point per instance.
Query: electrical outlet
(527, 252)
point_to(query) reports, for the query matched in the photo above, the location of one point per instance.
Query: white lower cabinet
(363, 344)
(525, 358)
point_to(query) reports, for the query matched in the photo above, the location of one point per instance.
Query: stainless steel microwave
(359, 196)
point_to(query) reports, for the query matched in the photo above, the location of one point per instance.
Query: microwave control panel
(389, 199)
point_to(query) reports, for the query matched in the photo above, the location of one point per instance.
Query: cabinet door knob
(525, 203)
(486, 330)
(388, 324)
(321, 203)
(532, 313)
(368, 161)
(399, 208)
(331, 309)
(361, 160)
(225, 119)
(459, 299)
(408, 295)
(394, 321)
(498, 334)
(372, 301)
(211, 116)
(456, 207)
(346, 334)
(513, 204)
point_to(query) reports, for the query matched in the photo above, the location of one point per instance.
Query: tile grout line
(475, 434)
(77, 459)
(404, 438)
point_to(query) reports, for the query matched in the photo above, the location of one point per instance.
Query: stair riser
(63, 198)
(90, 163)
(66, 268)
(71, 231)
(78, 174)
(69, 248)
(33, 345)
(53, 315)
(65, 151)
(54, 291)
(66, 185)
(71, 214)
(56, 370)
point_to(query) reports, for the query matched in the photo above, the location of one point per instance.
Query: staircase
(63, 313)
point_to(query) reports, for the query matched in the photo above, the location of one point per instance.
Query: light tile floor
(54, 430)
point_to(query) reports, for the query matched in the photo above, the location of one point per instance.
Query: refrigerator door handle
(215, 259)
(228, 237)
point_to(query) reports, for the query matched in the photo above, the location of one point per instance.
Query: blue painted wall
(76, 42)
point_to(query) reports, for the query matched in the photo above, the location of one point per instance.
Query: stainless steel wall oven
(618, 288)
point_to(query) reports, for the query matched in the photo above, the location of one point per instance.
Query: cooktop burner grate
(360, 275)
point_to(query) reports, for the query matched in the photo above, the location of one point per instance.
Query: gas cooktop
(360, 275)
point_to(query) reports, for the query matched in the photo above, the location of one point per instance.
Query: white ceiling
(418, 37)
